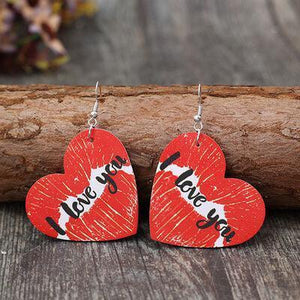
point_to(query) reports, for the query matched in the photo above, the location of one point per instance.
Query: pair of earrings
(192, 203)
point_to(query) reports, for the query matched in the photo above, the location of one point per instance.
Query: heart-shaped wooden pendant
(193, 205)
(94, 200)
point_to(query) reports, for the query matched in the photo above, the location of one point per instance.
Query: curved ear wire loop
(92, 122)
(198, 125)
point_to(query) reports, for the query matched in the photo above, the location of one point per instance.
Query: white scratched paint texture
(205, 207)
(95, 186)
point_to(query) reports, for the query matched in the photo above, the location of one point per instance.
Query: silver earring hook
(199, 100)
(198, 126)
(92, 122)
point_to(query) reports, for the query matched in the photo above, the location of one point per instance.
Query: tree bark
(257, 128)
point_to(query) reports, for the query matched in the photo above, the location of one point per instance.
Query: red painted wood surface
(94, 200)
(193, 205)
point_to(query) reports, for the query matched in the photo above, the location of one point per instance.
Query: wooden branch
(257, 128)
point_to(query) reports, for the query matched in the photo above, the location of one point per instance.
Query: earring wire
(198, 125)
(92, 122)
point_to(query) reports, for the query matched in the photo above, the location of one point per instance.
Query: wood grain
(38, 267)
(257, 128)
(175, 41)
(162, 42)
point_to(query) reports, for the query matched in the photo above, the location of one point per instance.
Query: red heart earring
(192, 204)
(96, 198)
